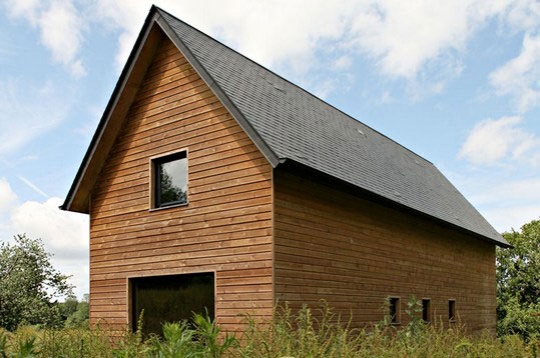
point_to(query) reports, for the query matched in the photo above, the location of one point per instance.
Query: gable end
(151, 35)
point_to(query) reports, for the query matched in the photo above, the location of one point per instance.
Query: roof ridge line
(293, 84)
(237, 114)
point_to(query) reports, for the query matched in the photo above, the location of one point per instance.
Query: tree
(68, 307)
(29, 285)
(79, 317)
(518, 282)
(168, 191)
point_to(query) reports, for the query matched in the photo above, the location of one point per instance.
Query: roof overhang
(309, 172)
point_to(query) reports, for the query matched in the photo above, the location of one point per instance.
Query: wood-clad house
(213, 183)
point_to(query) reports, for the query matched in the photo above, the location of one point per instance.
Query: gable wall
(226, 227)
(355, 253)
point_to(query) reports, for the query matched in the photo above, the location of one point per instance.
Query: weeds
(306, 333)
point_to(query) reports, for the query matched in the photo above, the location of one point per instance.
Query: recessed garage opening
(170, 298)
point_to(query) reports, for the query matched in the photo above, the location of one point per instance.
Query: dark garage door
(171, 298)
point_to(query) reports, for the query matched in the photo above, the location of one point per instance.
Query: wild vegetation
(288, 335)
(35, 324)
(518, 283)
(29, 285)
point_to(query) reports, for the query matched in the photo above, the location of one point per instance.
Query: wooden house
(213, 183)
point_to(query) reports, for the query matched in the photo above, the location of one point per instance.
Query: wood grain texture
(269, 235)
(355, 253)
(225, 228)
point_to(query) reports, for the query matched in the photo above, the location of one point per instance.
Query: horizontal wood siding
(226, 227)
(354, 254)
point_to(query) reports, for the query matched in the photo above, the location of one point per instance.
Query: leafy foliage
(518, 283)
(29, 285)
(75, 313)
(170, 193)
(201, 339)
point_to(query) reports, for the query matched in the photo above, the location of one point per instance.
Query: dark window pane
(426, 310)
(171, 176)
(394, 310)
(171, 299)
(451, 310)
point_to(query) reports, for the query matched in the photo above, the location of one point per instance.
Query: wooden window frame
(155, 161)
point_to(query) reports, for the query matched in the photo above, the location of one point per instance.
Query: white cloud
(493, 141)
(125, 16)
(60, 26)
(7, 197)
(522, 15)
(402, 36)
(415, 40)
(27, 111)
(505, 203)
(24, 8)
(343, 63)
(520, 77)
(64, 234)
(269, 32)
(509, 205)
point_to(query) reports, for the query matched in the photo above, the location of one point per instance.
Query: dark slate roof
(295, 125)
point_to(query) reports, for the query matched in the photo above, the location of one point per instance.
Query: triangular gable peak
(155, 29)
(286, 123)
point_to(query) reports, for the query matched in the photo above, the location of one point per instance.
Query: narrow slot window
(452, 310)
(394, 310)
(426, 310)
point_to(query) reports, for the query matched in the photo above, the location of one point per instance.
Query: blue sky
(457, 82)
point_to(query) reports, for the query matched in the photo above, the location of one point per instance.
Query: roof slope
(287, 124)
(299, 126)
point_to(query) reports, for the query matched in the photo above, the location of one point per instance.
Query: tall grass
(34, 342)
(307, 333)
(302, 335)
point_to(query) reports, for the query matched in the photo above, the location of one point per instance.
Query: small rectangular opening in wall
(169, 180)
(170, 298)
(451, 310)
(394, 310)
(426, 310)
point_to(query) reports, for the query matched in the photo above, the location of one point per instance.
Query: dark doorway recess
(171, 298)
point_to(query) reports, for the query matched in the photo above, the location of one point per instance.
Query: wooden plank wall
(226, 227)
(355, 253)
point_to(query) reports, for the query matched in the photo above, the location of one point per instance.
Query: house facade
(213, 184)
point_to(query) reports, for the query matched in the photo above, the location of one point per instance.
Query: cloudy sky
(458, 82)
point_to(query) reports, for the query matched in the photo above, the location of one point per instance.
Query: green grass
(287, 335)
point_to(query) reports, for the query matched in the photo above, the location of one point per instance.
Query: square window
(451, 310)
(394, 310)
(170, 180)
(426, 310)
